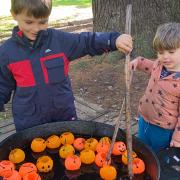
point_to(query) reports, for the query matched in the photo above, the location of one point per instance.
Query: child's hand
(174, 143)
(124, 43)
(134, 63)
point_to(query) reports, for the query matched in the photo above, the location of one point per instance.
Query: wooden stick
(127, 96)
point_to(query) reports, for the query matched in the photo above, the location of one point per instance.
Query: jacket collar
(18, 36)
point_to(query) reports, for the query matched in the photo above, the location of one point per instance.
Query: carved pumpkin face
(27, 168)
(79, 143)
(17, 155)
(138, 166)
(87, 156)
(53, 142)
(118, 148)
(102, 147)
(108, 172)
(73, 163)
(66, 150)
(91, 143)
(100, 159)
(32, 176)
(38, 145)
(105, 140)
(6, 165)
(12, 175)
(67, 138)
(44, 164)
(125, 158)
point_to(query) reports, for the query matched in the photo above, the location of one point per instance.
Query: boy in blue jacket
(34, 64)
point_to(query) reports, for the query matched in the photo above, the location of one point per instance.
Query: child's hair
(167, 37)
(35, 8)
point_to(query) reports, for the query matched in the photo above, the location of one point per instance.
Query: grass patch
(80, 3)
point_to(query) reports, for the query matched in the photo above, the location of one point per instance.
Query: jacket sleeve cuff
(113, 38)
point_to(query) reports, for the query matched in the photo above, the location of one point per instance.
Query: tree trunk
(109, 15)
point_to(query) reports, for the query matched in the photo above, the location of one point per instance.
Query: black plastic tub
(85, 129)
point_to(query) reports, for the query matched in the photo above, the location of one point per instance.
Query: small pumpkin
(102, 147)
(53, 142)
(66, 150)
(100, 159)
(12, 175)
(67, 138)
(38, 145)
(91, 143)
(72, 162)
(119, 148)
(108, 172)
(138, 166)
(32, 176)
(6, 165)
(17, 155)
(87, 156)
(27, 168)
(125, 158)
(105, 140)
(79, 143)
(44, 164)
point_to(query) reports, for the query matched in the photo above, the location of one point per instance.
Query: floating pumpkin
(67, 138)
(102, 147)
(53, 142)
(12, 175)
(38, 145)
(119, 148)
(91, 143)
(66, 150)
(138, 166)
(32, 176)
(79, 143)
(100, 159)
(108, 172)
(105, 140)
(17, 155)
(125, 158)
(27, 168)
(44, 164)
(87, 156)
(73, 162)
(6, 165)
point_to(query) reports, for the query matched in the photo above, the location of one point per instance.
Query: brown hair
(167, 37)
(36, 8)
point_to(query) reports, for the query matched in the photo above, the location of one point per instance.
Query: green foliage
(81, 3)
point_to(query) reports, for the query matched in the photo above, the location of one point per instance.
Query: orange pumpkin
(6, 165)
(79, 143)
(100, 159)
(44, 164)
(38, 145)
(27, 168)
(118, 148)
(108, 172)
(105, 140)
(67, 138)
(138, 166)
(66, 150)
(32, 176)
(125, 158)
(102, 147)
(17, 155)
(73, 163)
(53, 142)
(87, 156)
(91, 143)
(12, 175)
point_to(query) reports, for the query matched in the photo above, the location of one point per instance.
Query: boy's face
(30, 26)
(170, 59)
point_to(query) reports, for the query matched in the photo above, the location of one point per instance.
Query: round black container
(80, 128)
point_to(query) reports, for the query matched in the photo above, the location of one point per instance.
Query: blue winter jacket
(38, 73)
